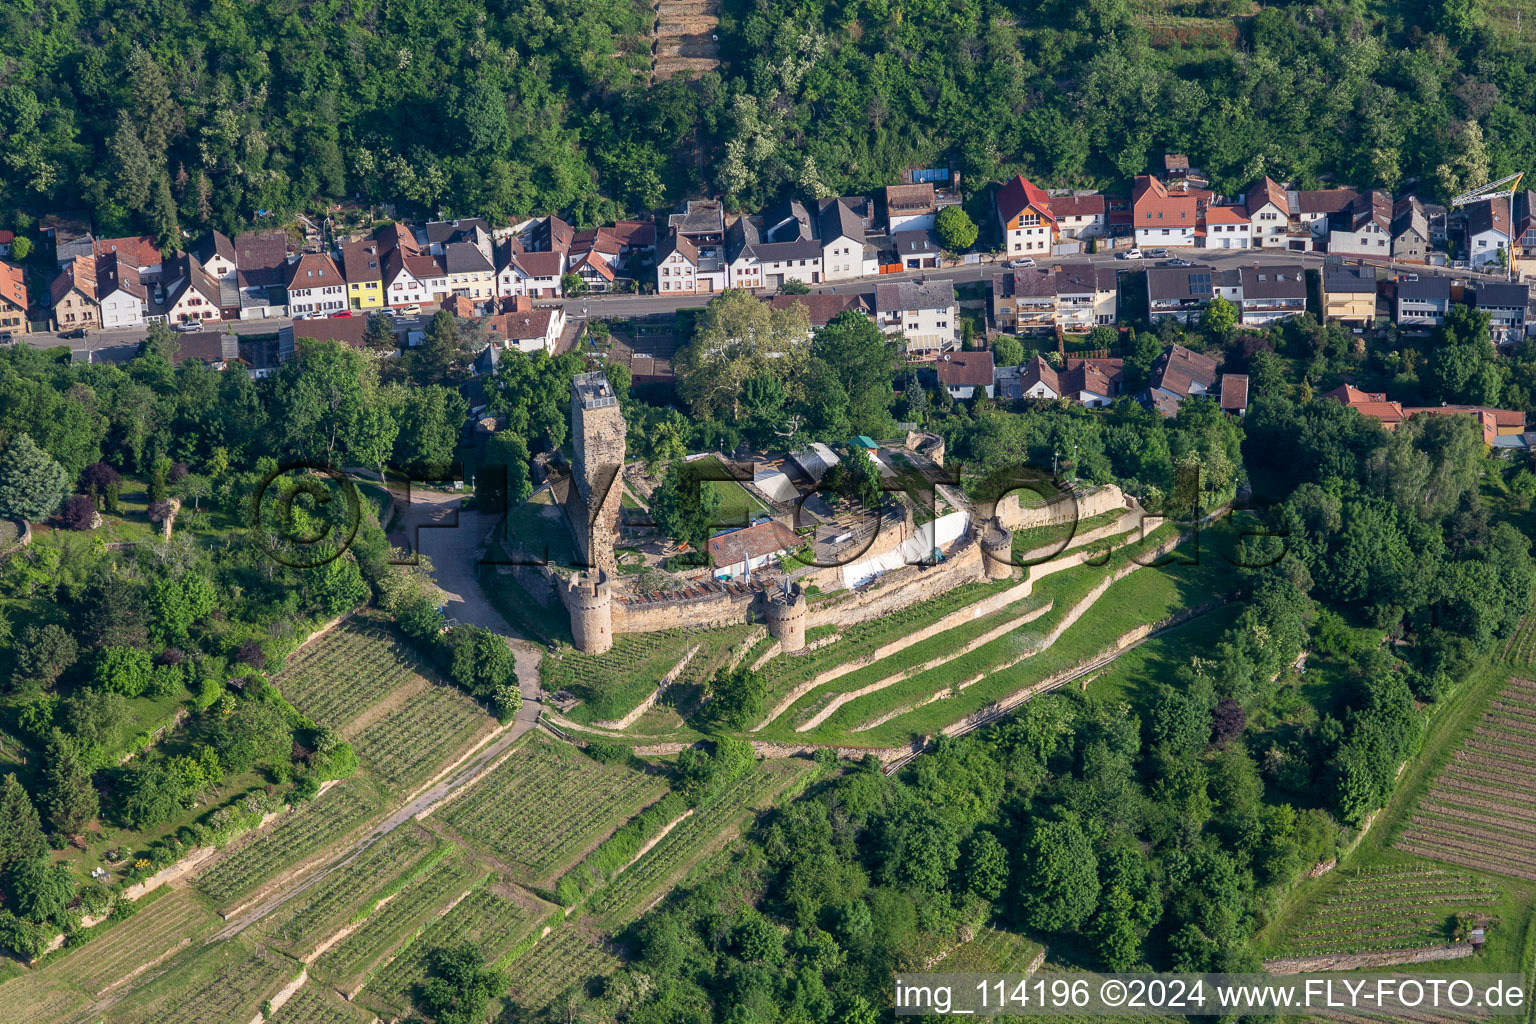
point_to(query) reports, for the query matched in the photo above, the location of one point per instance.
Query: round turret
(786, 611)
(997, 551)
(589, 599)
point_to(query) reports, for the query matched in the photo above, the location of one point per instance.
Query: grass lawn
(613, 683)
(737, 506)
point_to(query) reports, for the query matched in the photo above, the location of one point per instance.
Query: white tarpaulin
(938, 534)
(776, 485)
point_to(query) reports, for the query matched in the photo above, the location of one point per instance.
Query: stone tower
(786, 611)
(592, 504)
(589, 599)
(997, 551)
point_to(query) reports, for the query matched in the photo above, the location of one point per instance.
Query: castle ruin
(592, 502)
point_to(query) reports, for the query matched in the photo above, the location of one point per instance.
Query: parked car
(6, 337)
(188, 325)
(1157, 254)
(411, 310)
(1129, 254)
(1178, 262)
(345, 312)
(78, 332)
(1020, 264)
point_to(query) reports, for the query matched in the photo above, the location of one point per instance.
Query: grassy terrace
(737, 505)
(1145, 596)
(784, 673)
(614, 683)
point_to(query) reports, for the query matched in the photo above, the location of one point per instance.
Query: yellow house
(1349, 294)
(363, 267)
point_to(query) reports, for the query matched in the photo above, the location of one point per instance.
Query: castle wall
(1096, 502)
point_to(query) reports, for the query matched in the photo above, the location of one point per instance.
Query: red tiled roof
(80, 273)
(522, 326)
(635, 234)
(540, 264)
(362, 261)
(1153, 205)
(729, 549)
(1226, 215)
(314, 270)
(966, 369)
(140, 250)
(347, 329)
(1079, 206)
(13, 286)
(1265, 190)
(1234, 391)
(904, 200)
(1019, 195)
(820, 308)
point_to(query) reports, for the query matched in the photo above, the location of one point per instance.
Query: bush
(607, 753)
(124, 670)
(79, 513)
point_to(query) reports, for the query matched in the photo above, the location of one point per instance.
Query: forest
(166, 116)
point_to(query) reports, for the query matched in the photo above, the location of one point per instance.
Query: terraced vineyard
(407, 745)
(646, 879)
(340, 675)
(394, 922)
(175, 919)
(313, 1004)
(492, 920)
(1383, 909)
(1520, 648)
(1481, 811)
(546, 804)
(232, 994)
(301, 833)
(383, 868)
(992, 951)
(614, 683)
(565, 957)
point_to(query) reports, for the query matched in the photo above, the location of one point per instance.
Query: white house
(315, 285)
(1269, 214)
(122, 295)
(840, 230)
(1162, 218)
(961, 373)
(910, 207)
(184, 293)
(1364, 228)
(1085, 296)
(1487, 232)
(1228, 227)
(737, 552)
(527, 330)
(401, 286)
(1081, 216)
(923, 312)
(217, 255)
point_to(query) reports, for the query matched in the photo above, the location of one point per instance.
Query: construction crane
(1505, 187)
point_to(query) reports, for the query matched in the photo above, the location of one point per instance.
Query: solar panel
(1200, 284)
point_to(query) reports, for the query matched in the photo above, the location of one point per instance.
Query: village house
(13, 299)
(1311, 209)
(1364, 227)
(1081, 216)
(595, 257)
(1029, 225)
(1024, 300)
(635, 238)
(1349, 295)
(1177, 375)
(216, 252)
(184, 293)
(1486, 233)
(1163, 218)
(363, 267)
(217, 350)
(1269, 215)
(840, 224)
(1227, 227)
(1234, 393)
(1093, 383)
(736, 553)
(1422, 302)
(137, 251)
(923, 312)
(770, 251)
(72, 296)
(1499, 427)
(437, 235)
(1179, 293)
(526, 329)
(1085, 296)
(1410, 230)
(469, 271)
(261, 267)
(961, 373)
(1525, 224)
(913, 250)
(1506, 306)
(1271, 293)
(71, 234)
(123, 297)
(401, 285)
(821, 309)
(315, 285)
(910, 207)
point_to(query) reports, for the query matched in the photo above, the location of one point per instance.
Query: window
(1029, 219)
